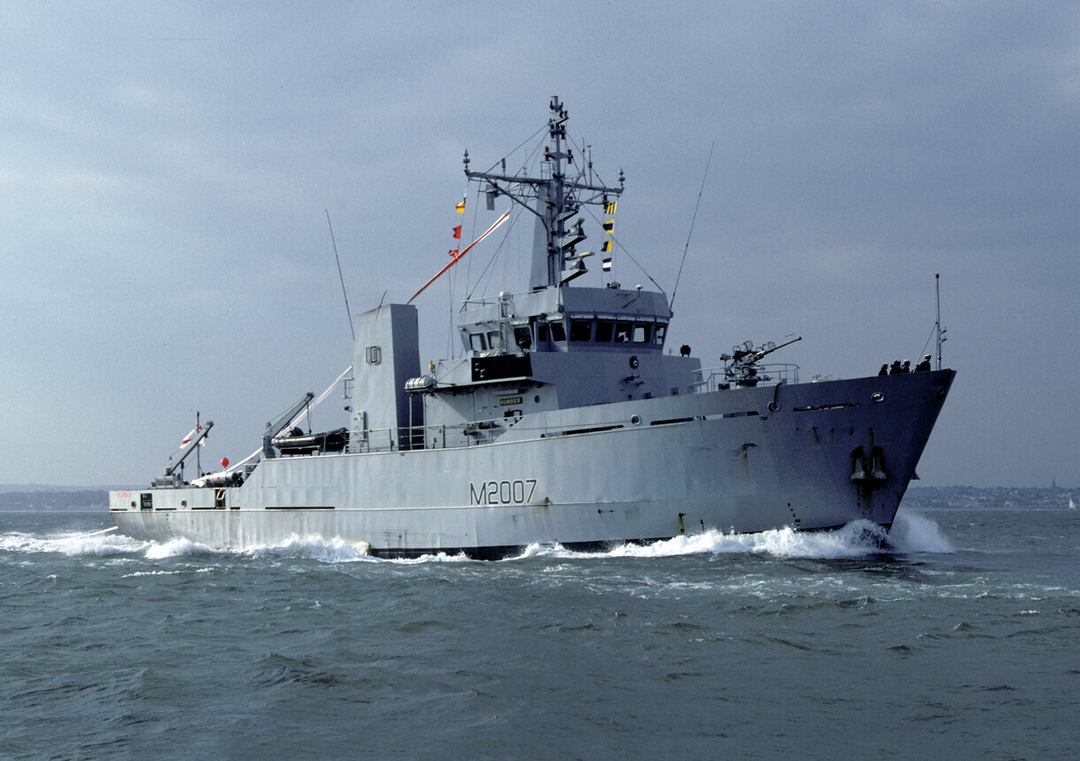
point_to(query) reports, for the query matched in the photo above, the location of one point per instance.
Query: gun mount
(741, 366)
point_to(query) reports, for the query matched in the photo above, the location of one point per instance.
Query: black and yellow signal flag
(609, 230)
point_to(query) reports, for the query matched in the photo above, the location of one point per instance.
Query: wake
(909, 534)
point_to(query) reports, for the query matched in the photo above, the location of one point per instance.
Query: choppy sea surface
(959, 639)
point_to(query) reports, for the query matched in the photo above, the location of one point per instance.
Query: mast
(937, 325)
(555, 199)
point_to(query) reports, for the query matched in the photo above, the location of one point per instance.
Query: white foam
(96, 543)
(857, 539)
(910, 533)
(174, 548)
(340, 551)
(309, 547)
(334, 550)
(914, 533)
(140, 574)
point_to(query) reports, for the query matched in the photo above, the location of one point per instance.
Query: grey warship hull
(743, 460)
(564, 420)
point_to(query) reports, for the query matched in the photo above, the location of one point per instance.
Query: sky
(168, 169)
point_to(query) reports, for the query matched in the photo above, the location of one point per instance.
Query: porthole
(877, 396)
(635, 420)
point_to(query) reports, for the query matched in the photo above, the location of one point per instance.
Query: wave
(914, 533)
(310, 547)
(338, 550)
(858, 539)
(98, 543)
(910, 534)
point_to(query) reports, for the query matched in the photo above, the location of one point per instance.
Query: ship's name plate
(517, 492)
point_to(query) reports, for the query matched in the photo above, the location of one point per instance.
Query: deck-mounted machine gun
(741, 366)
(171, 478)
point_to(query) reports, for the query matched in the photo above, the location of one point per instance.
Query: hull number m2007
(517, 492)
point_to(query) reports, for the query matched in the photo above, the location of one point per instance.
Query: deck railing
(721, 378)
(482, 432)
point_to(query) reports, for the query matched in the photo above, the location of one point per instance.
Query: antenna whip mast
(937, 325)
(678, 277)
(348, 312)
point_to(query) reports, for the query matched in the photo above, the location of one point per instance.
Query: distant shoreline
(46, 500)
(1045, 497)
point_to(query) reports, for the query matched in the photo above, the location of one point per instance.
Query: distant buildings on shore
(59, 500)
(929, 497)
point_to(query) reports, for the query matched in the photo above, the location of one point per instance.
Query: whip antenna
(348, 312)
(937, 325)
(671, 304)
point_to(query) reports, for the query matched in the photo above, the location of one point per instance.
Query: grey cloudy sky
(166, 170)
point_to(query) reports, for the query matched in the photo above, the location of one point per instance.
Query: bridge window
(476, 342)
(658, 336)
(558, 331)
(494, 339)
(580, 330)
(523, 337)
(605, 329)
(622, 332)
(642, 333)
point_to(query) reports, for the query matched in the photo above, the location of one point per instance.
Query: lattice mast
(555, 199)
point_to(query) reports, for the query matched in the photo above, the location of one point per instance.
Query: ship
(563, 419)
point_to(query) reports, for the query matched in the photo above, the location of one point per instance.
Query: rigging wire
(530, 158)
(488, 269)
(927, 342)
(671, 304)
(629, 256)
(319, 400)
(580, 162)
(515, 150)
(582, 152)
(295, 421)
(341, 277)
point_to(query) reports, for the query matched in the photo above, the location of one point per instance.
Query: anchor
(876, 474)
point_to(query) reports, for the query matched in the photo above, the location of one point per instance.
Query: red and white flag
(458, 256)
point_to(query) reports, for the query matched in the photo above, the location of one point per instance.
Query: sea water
(960, 638)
